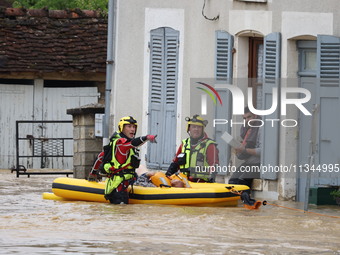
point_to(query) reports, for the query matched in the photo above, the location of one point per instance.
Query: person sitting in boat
(159, 179)
(197, 156)
(121, 159)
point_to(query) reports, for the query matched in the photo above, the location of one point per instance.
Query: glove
(93, 176)
(151, 138)
(173, 168)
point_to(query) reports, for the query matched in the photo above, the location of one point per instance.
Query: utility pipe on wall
(110, 64)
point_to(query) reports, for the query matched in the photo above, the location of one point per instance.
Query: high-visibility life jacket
(196, 159)
(114, 162)
(121, 172)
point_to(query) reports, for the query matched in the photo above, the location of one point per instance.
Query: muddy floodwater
(32, 225)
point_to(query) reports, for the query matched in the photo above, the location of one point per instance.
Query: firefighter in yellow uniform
(197, 155)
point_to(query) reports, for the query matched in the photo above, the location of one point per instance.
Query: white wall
(300, 24)
(293, 19)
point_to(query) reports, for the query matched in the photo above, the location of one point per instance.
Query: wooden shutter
(270, 135)
(170, 93)
(164, 45)
(223, 74)
(224, 56)
(155, 97)
(328, 102)
(328, 52)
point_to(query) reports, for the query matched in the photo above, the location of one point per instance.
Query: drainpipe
(110, 61)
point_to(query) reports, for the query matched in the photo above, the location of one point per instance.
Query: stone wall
(86, 146)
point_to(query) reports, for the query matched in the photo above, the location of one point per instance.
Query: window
(307, 58)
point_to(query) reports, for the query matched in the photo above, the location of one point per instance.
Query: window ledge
(253, 1)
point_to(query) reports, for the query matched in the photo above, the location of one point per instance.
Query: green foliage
(101, 5)
(335, 193)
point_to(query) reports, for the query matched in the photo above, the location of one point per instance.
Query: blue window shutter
(224, 56)
(157, 52)
(272, 56)
(328, 51)
(164, 43)
(327, 144)
(223, 74)
(170, 93)
(155, 94)
(270, 135)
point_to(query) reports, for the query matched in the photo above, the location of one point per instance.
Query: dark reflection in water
(31, 225)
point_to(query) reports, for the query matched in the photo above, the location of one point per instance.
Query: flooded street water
(32, 225)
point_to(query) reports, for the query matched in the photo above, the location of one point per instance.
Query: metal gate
(41, 149)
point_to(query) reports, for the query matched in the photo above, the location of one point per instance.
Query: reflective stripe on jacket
(121, 171)
(196, 157)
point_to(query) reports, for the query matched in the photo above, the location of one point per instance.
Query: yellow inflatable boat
(200, 194)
